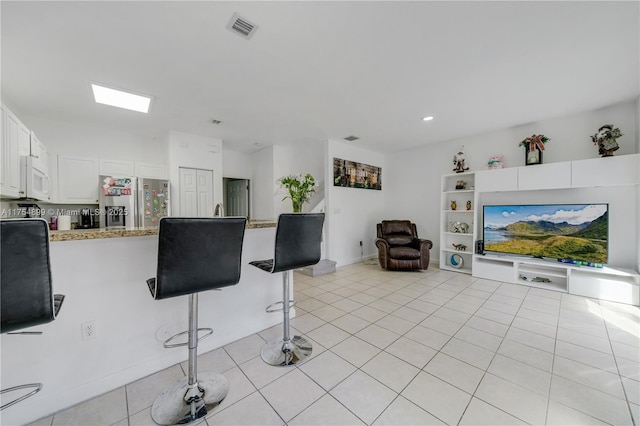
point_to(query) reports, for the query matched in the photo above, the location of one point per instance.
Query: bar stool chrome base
(181, 403)
(281, 352)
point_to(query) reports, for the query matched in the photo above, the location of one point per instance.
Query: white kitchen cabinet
(151, 171)
(15, 140)
(116, 168)
(78, 180)
(39, 154)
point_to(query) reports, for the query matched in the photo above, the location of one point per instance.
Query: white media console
(612, 180)
(614, 284)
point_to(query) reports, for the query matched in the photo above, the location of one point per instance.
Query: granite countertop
(101, 233)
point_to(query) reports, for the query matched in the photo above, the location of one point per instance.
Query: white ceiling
(321, 70)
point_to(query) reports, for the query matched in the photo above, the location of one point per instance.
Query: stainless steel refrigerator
(130, 202)
(153, 201)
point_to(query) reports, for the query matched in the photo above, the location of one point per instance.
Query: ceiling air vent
(351, 138)
(241, 26)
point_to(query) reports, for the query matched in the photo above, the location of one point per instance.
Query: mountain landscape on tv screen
(585, 241)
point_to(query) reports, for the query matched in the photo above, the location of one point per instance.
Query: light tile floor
(418, 348)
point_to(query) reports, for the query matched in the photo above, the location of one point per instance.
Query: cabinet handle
(35, 156)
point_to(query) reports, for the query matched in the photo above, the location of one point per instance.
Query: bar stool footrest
(209, 332)
(281, 353)
(37, 387)
(270, 308)
(174, 405)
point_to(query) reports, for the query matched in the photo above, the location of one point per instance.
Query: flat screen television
(573, 233)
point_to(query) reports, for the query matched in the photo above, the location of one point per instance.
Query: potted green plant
(300, 189)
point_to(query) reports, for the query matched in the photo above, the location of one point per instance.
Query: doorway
(236, 197)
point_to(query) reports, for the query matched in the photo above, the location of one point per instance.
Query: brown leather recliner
(399, 247)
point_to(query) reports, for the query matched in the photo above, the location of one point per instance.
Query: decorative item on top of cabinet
(495, 162)
(606, 140)
(460, 161)
(456, 225)
(534, 145)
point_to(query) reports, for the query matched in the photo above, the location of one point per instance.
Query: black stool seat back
(298, 240)
(25, 276)
(197, 254)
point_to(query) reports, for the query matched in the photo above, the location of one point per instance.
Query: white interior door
(238, 197)
(196, 192)
(188, 192)
(205, 192)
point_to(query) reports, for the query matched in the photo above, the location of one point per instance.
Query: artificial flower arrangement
(535, 141)
(300, 189)
(534, 145)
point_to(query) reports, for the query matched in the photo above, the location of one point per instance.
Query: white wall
(352, 214)
(237, 165)
(296, 160)
(197, 152)
(413, 177)
(263, 184)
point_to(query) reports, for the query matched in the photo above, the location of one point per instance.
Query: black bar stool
(194, 255)
(298, 239)
(25, 285)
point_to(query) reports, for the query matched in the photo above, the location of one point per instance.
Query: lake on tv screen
(577, 232)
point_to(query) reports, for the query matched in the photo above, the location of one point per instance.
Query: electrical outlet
(89, 330)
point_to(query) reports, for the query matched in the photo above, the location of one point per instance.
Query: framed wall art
(352, 174)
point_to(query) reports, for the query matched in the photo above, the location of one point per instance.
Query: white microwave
(34, 180)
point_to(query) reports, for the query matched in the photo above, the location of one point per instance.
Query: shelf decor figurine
(461, 184)
(469, 205)
(534, 145)
(495, 162)
(300, 189)
(606, 140)
(459, 161)
(459, 228)
(454, 205)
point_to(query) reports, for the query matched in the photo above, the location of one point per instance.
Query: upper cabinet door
(77, 180)
(606, 171)
(151, 171)
(116, 168)
(497, 180)
(15, 140)
(40, 154)
(545, 176)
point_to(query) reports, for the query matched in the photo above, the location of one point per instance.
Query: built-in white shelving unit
(452, 237)
(555, 182)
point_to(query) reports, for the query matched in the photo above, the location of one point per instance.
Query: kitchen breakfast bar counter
(99, 233)
(103, 274)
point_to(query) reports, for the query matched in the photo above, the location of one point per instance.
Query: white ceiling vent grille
(241, 26)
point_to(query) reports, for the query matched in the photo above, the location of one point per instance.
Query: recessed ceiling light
(120, 99)
(427, 118)
(351, 138)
